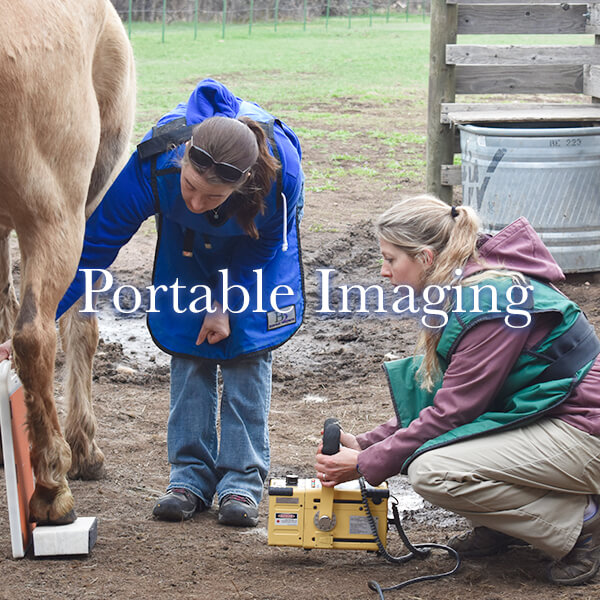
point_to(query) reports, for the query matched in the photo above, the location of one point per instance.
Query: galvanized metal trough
(550, 175)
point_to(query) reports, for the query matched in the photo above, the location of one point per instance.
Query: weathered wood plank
(591, 81)
(467, 54)
(440, 138)
(534, 19)
(544, 79)
(455, 114)
(594, 20)
(451, 175)
(523, 2)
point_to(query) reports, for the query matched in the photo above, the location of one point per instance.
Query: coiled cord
(415, 551)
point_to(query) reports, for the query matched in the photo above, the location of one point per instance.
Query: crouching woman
(496, 421)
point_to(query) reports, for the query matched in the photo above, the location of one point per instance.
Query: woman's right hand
(341, 466)
(215, 327)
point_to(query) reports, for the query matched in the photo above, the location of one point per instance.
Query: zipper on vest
(188, 243)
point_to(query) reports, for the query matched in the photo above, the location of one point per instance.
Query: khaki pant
(531, 483)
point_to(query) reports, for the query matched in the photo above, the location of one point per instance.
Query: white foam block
(78, 537)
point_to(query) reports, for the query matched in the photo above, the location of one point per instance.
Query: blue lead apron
(194, 250)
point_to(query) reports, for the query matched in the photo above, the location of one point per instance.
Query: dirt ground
(332, 367)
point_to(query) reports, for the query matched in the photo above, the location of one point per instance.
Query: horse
(67, 107)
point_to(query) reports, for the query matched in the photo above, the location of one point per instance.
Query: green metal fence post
(224, 18)
(129, 18)
(350, 14)
(407, 4)
(370, 13)
(304, 15)
(327, 17)
(276, 13)
(251, 17)
(196, 19)
(164, 19)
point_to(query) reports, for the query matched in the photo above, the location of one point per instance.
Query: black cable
(415, 550)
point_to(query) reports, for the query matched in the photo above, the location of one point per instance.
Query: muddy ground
(332, 367)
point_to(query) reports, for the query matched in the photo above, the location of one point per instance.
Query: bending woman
(224, 180)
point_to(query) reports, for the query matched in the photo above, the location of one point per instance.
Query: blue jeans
(238, 462)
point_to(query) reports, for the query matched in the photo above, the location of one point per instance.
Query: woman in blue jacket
(223, 178)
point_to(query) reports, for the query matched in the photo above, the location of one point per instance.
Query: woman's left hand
(214, 328)
(337, 468)
(6, 350)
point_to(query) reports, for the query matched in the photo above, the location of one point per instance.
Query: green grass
(291, 72)
(320, 228)
(313, 79)
(295, 72)
(396, 138)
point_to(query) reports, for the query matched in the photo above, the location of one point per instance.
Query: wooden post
(595, 17)
(440, 138)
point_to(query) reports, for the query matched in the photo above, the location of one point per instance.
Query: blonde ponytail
(426, 223)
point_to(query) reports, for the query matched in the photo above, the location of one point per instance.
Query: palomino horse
(67, 101)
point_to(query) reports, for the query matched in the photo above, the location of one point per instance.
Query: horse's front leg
(49, 255)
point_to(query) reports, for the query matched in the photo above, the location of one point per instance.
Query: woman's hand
(215, 327)
(337, 468)
(6, 350)
(349, 441)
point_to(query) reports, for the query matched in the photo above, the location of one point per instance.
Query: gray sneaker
(178, 504)
(583, 562)
(238, 510)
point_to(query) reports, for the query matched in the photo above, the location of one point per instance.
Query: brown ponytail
(250, 200)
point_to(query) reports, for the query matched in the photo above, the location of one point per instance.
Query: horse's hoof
(70, 517)
(88, 468)
(50, 506)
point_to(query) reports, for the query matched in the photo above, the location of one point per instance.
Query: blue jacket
(150, 186)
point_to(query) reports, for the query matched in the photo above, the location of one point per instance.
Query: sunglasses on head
(201, 159)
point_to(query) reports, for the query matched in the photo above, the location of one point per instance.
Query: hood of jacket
(517, 247)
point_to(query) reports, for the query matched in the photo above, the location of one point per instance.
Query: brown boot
(583, 562)
(482, 541)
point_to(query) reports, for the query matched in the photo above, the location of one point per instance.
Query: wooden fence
(505, 69)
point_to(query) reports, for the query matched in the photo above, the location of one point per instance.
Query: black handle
(331, 436)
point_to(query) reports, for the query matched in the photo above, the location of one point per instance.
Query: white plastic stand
(48, 540)
(20, 529)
